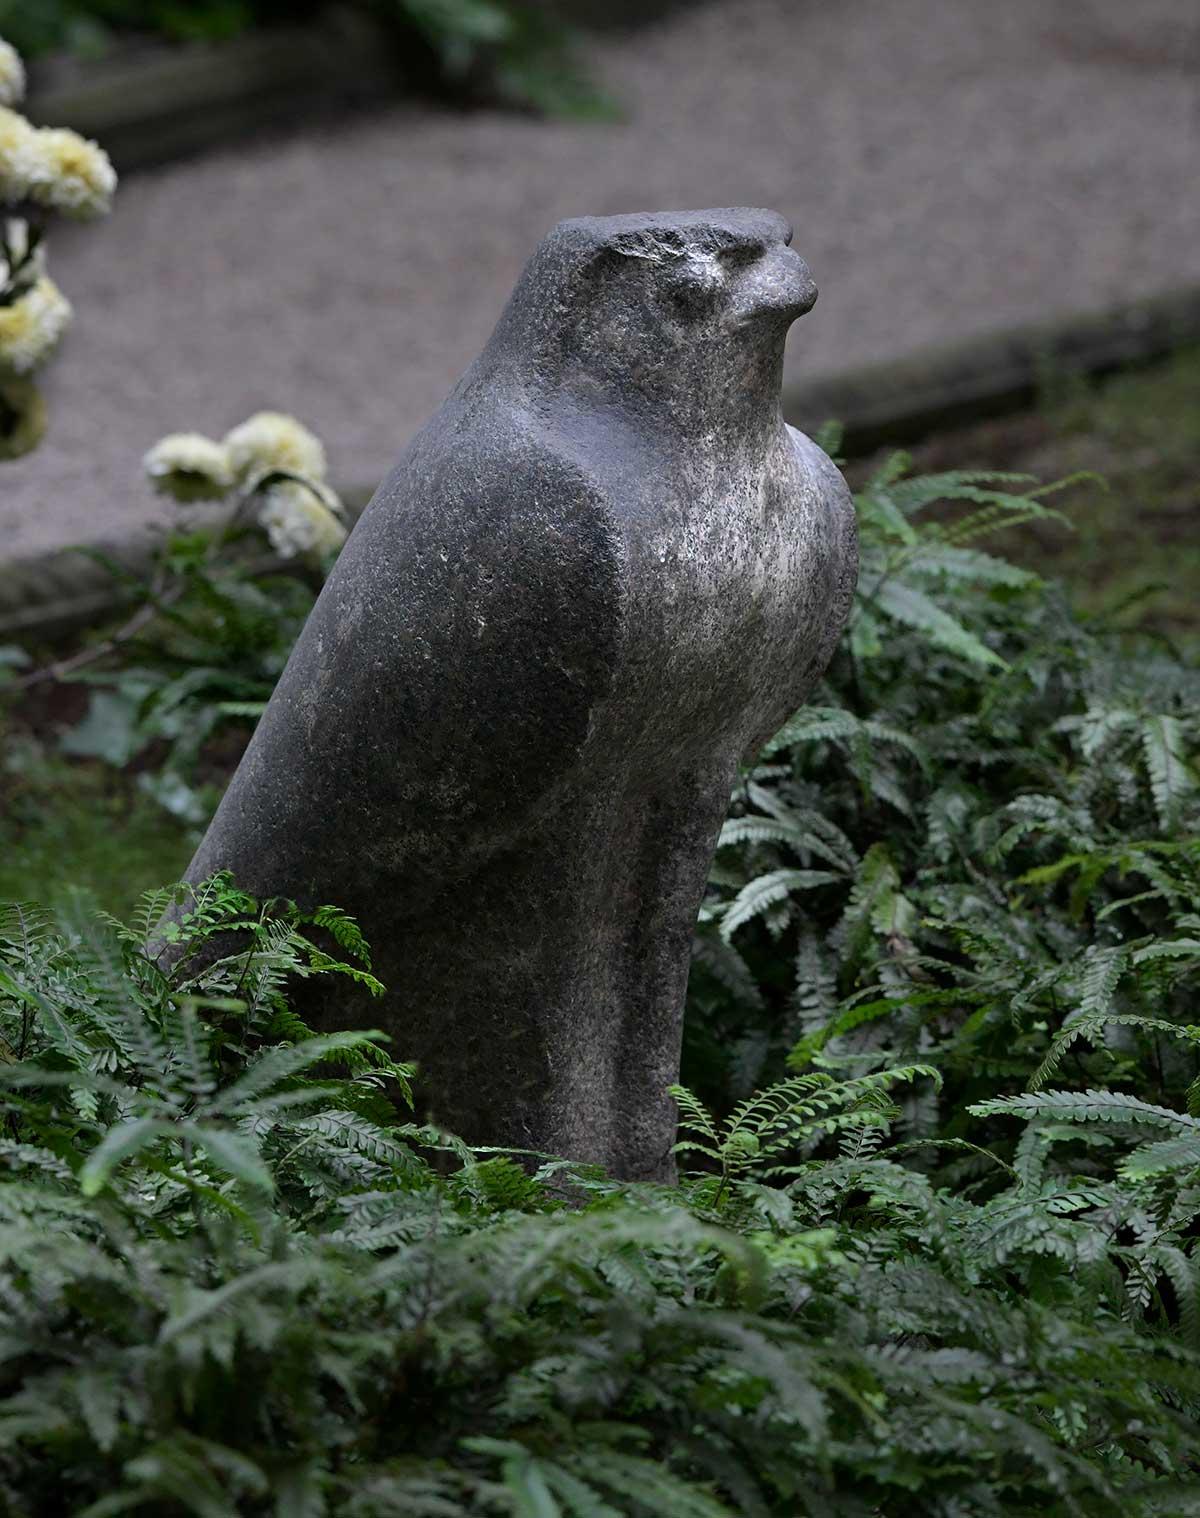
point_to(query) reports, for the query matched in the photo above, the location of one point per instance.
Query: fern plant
(193, 667)
(978, 850)
(768, 1126)
(938, 1250)
(238, 1277)
(938, 857)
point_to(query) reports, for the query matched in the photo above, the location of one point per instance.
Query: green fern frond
(813, 724)
(1092, 1028)
(767, 891)
(1086, 1106)
(230, 1153)
(24, 925)
(829, 436)
(1171, 776)
(1180, 1156)
(1184, 1275)
(955, 485)
(893, 468)
(814, 998)
(325, 964)
(999, 511)
(345, 931)
(360, 1136)
(188, 1041)
(795, 833)
(1102, 972)
(693, 1114)
(970, 564)
(869, 902)
(724, 963)
(636, 1479)
(1174, 948)
(913, 608)
(274, 1067)
(850, 1018)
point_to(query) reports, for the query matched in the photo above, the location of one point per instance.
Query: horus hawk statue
(597, 579)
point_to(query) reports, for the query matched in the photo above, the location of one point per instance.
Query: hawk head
(685, 308)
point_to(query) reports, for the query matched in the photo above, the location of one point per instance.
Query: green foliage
(943, 1259)
(238, 1277)
(86, 24)
(1137, 428)
(66, 825)
(787, 1117)
(196, 663)
(981, 836)
(977, 853)
(524, 54)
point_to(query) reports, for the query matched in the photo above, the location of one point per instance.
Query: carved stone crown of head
(660, 308)
(505, 740)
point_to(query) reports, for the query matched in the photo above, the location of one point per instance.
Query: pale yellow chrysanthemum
(77, 176)
(270, 440)
(22, 417)
(12, 75)
(297, 522)
(31, 326)
(189, 467)
(22, 162)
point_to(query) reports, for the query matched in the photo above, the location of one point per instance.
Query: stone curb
(47, 596)
(51, 594)
(993, 374)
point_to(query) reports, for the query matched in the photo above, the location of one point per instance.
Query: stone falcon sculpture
(594, 582)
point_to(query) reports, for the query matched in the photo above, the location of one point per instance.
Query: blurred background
(323, 210)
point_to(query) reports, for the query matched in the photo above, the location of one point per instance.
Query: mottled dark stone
(594, 582)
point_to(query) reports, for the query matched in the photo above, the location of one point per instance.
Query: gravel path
(950, 166)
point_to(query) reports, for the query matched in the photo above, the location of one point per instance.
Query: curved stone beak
(778, 285)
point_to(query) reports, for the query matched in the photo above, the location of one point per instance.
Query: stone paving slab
(951, 167)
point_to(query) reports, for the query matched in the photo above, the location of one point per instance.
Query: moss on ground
(1134, 529)
(1142, 433)
(78, 824)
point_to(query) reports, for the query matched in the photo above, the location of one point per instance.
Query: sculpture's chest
(728, 574)
(723, 552)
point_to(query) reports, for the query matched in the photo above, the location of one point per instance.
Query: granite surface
(604, 572)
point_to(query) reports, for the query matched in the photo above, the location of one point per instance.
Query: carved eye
(739, 256)
(696, 285)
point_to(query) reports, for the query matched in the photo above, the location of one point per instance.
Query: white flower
(22, 161)
(189, 467)
(22, 417)
(31, 326)
(76, 175)
(270, 440)
(12, 75)
(298, 522)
